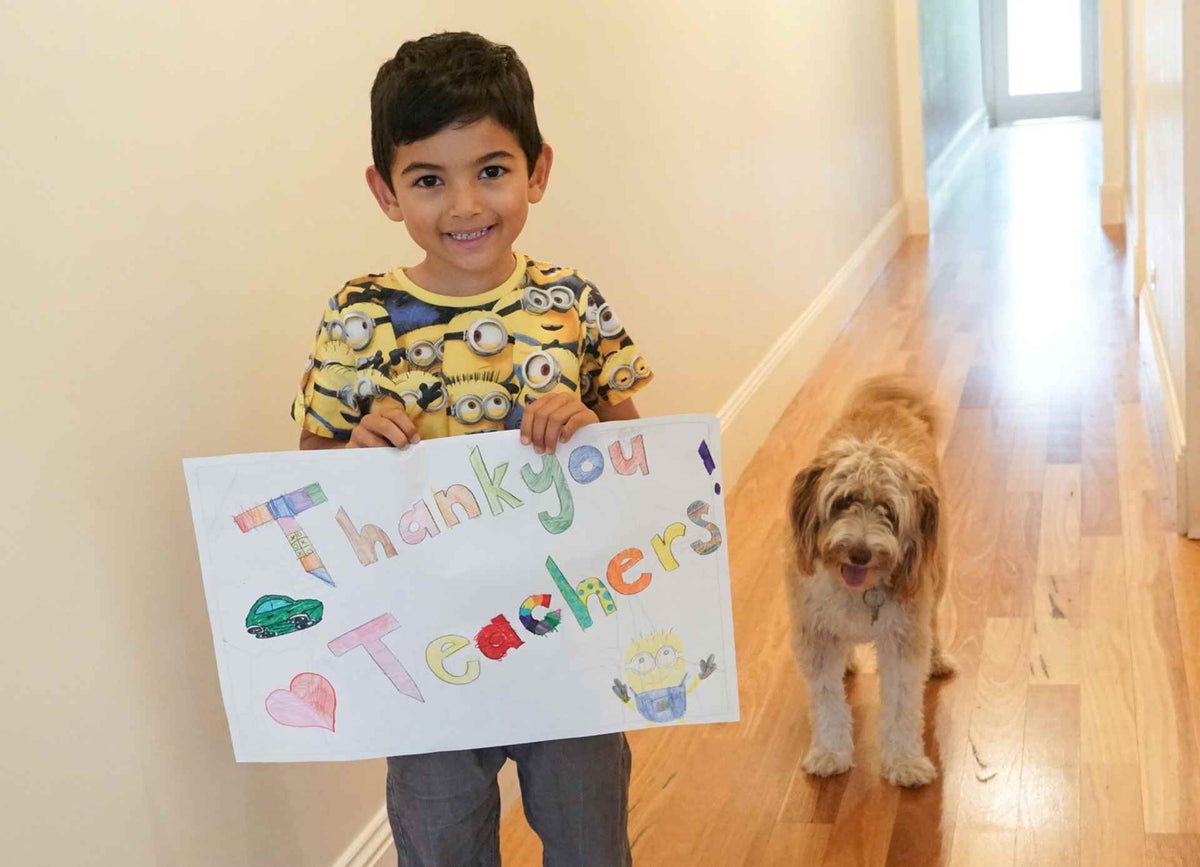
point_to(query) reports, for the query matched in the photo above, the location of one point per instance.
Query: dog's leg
(903, 668)
(941, 663)
(832, 749)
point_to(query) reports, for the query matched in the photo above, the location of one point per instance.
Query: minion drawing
(544, 314)
(541, 370)
(423, 396)
(622, 369)
(479, 402)
(365, 327)
(423, 348)
(657, 673)
(477, 342)
(331, 391)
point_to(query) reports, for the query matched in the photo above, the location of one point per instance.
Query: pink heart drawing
(308, 701)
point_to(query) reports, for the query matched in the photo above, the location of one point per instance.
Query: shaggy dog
(865, 520)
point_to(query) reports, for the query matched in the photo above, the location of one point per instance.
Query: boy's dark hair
(450, 78)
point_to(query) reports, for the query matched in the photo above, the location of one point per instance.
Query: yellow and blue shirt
(465, 364)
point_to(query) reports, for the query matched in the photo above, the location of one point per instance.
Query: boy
(474, 338)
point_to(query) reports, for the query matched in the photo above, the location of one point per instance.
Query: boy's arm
(310, 440)
(623, 411)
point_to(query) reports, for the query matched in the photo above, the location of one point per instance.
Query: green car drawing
(279, 615)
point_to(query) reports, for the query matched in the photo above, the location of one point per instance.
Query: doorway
(1041, 59)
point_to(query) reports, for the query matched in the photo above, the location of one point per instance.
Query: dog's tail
(895, 388)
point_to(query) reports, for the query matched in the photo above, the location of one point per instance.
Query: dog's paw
(821, 762)
(942, 665)
(909, 771)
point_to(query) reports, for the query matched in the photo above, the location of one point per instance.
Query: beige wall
(1191, 136)
(182, 188)
(1164, 174)
(1163, 166)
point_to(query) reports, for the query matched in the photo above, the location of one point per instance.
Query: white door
(1044, 59)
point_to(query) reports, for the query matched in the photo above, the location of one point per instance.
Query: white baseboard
(372, 843)
(1112, 204)
(752, 410)
(1175, 427)
(943, 169)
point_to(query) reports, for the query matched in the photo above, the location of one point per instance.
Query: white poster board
(466, 592)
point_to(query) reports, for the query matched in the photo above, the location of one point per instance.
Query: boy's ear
(383, 195)
(540, 176)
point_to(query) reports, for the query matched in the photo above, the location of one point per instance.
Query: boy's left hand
(553, 419)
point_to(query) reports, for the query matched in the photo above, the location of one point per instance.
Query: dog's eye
(888, 513)
(841, 504)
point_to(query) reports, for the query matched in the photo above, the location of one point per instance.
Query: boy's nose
(465, 203)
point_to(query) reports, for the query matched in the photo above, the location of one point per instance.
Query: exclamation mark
(706, 456)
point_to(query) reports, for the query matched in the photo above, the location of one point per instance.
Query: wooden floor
(1069, 736)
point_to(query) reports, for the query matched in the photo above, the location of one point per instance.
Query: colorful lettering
(456, 495)
(497, 638)
(662, 545)
(626, 466)
(696, 513)
(547, 624)
(369, 636)
(417, 524)
(364, 542)
(551, 474)
(496, 495)
(577, 598)
(282, 511)
(442, 648)
(622, 563)
(586, 464)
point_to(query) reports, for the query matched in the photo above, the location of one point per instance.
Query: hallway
(1069, 735)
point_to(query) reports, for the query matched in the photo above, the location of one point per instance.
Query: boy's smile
(464, 194)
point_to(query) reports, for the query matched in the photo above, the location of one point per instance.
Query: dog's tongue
(854, 575)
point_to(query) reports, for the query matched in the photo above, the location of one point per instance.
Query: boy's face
(464, 194)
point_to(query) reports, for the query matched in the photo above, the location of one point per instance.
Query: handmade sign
(467, 592)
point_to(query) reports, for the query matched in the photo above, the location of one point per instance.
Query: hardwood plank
(1049, 832)
(984, 847)
(1173, 850)
(1111, 830)
(797, 843)
(1028, 465)
(1099, 492)
(1107, 700)
(991, 782)
(1016, 557)
(1054, 653)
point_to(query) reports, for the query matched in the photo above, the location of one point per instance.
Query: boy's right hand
(387, 424)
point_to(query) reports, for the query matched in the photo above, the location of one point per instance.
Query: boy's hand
(387, 424)
(553, 419)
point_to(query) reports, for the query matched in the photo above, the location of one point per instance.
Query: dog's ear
(928, 509)
(802, 515)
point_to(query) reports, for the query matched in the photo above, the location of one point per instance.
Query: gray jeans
(444, 808)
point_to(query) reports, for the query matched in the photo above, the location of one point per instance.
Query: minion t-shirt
(469, 364)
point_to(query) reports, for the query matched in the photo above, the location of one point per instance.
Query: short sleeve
(612, 366)
(337, 379)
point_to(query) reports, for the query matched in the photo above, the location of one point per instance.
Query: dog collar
(874, 597)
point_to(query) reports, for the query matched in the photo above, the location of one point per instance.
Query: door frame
(1003, 108)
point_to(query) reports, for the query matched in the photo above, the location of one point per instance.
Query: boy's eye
(493, 172)
(428, 181)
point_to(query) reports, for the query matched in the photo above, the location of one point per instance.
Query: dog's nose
(860, 555)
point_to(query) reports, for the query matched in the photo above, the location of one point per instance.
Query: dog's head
(865, 512)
